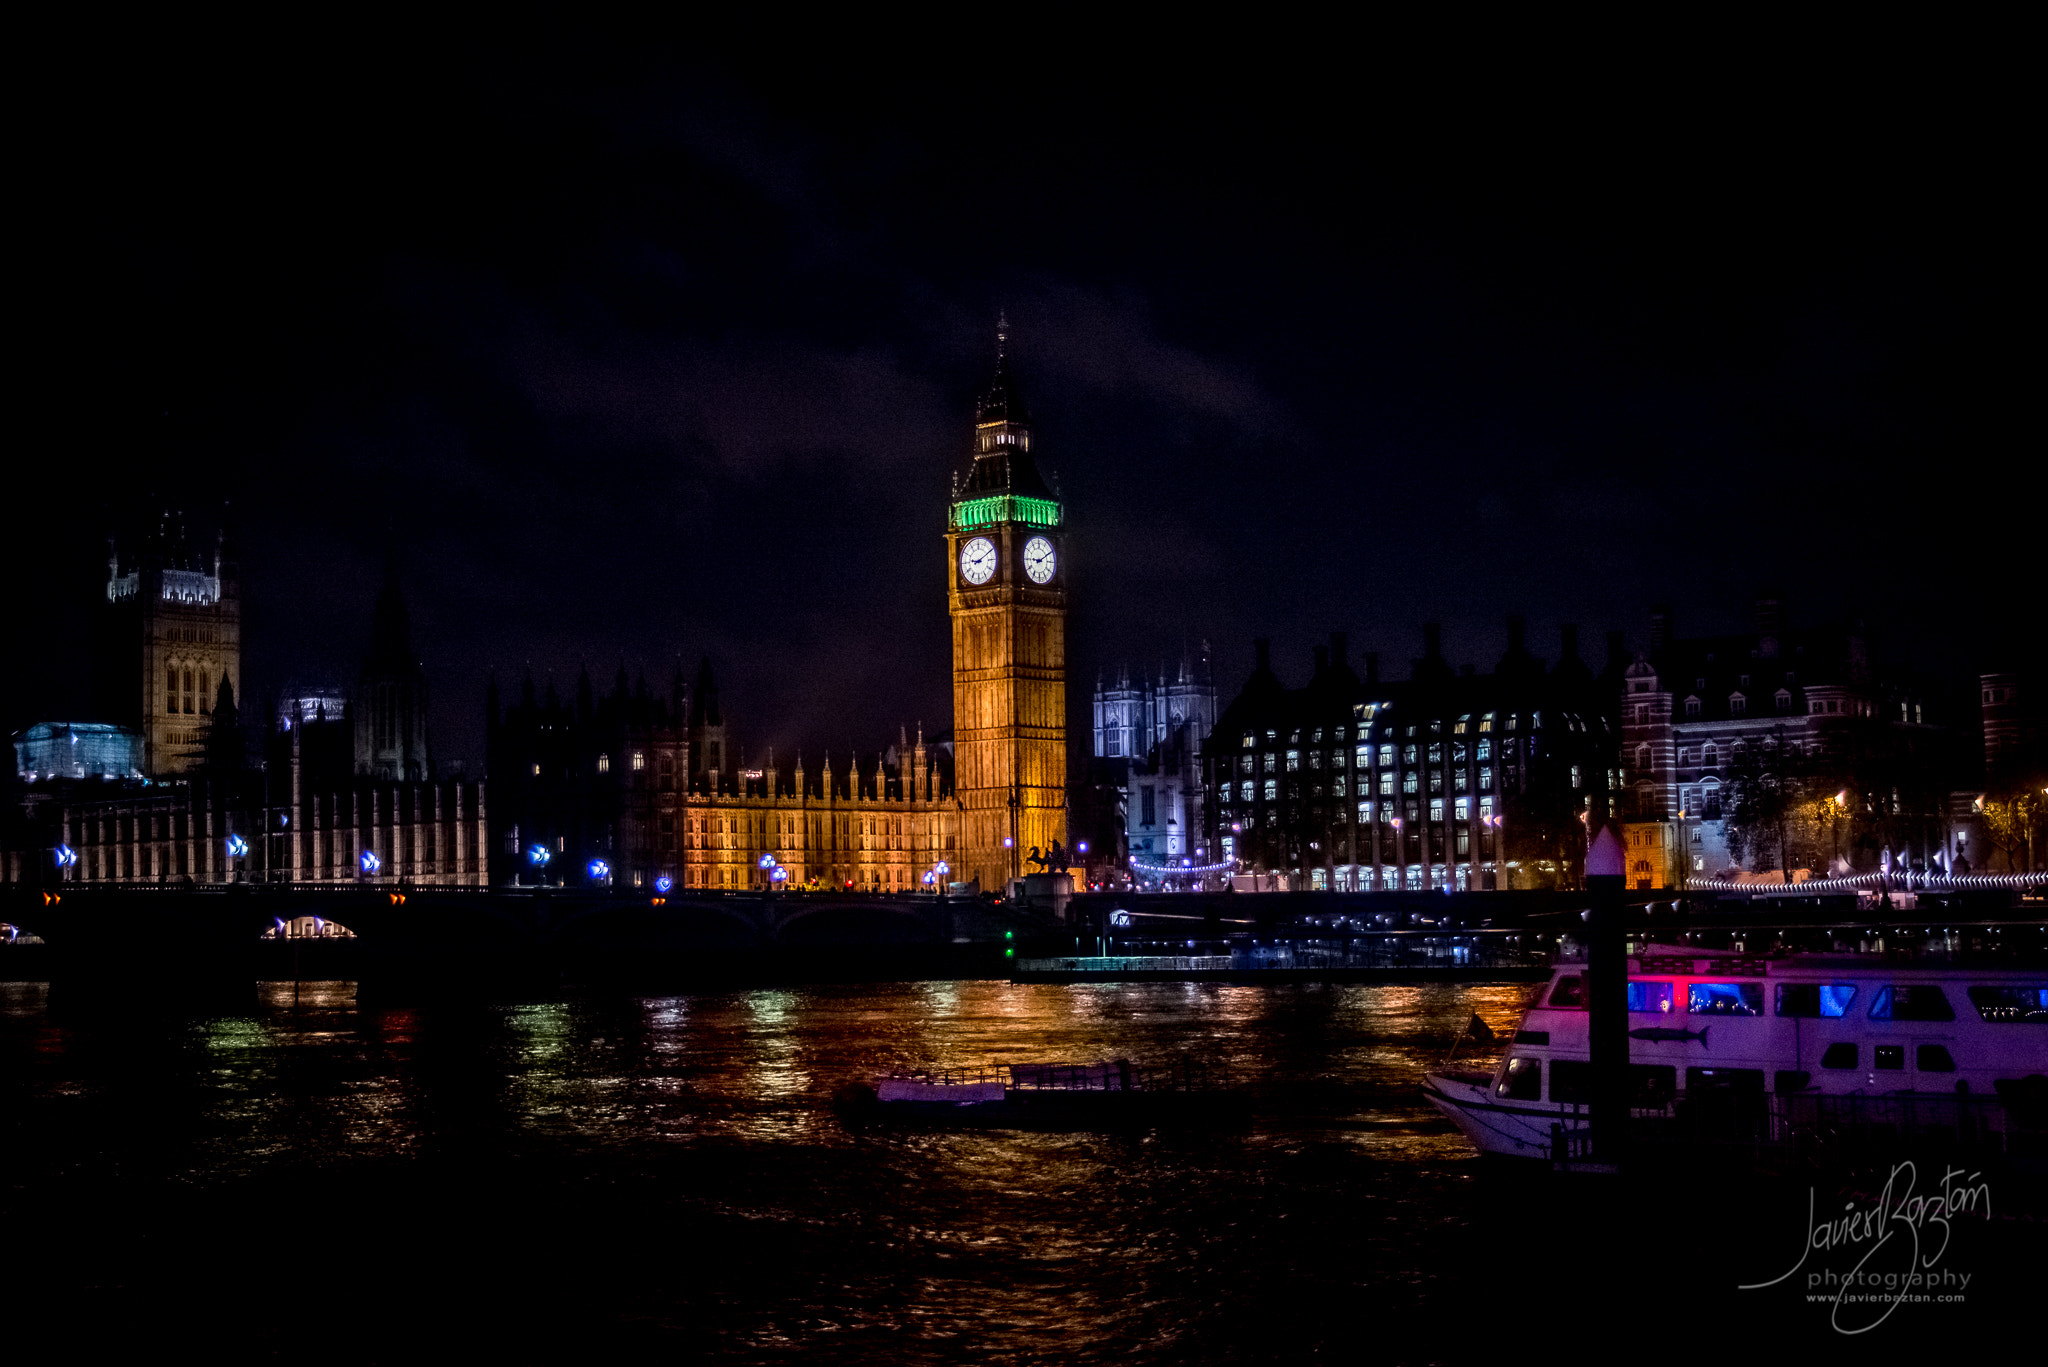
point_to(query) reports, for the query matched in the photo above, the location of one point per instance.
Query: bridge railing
(1126, 963)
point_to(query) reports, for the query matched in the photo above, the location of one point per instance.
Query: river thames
(322, 1179)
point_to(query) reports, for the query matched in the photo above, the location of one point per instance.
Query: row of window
(188, 700)
(1571, 1080)
(1900, 1002)
(1410, 784)
(1461, 726)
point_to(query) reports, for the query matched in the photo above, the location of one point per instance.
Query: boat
(1722, 1031)
(1060, 1095)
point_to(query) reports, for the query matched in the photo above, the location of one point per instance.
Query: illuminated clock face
(978, 560)
(1039, 559)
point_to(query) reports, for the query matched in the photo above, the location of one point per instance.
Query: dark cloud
(648, 357)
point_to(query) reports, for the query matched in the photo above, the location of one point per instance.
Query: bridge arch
(827, 921)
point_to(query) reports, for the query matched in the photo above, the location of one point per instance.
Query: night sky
(646, 354)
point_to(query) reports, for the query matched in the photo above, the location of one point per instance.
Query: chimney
(1768, 615)
(1372, 667)
(1660, 629)
(1568, 641)
(1262, 650)
(1769, 620)
(1515, 646)
(1340, 650)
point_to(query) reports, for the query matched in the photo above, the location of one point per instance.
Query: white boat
(1708, 1025)
(1057, 1094)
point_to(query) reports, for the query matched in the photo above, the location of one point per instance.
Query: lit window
(1815, 1000)
(1737, 705)
(1462, 809)
(1272, 789)
(639, 761)
(1409, 782)
(536, 771)
(604, 764)
(1247, 793)
(1387, 783)
(1725, 999)
(1364, 756)
(1249, 740)
(1293, 760)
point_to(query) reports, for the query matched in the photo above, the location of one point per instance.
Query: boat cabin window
(1815, 1000)
(1654, 998)
(1724, 1079)
(1890, 1057)
(1915, 1002)
(1933, 1058)
(1842, 1055)
(2011, 1005)
(1725, 999)
(1569, 993)
(1571, 1080)
(1651, 1084)
(1521, 1080)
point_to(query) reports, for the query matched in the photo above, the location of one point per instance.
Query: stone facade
(171, 634)
(1710, 722)
(1448, 780)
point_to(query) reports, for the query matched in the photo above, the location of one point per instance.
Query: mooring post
(1607, 996)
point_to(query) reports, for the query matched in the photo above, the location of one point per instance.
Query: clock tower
(1006, 563)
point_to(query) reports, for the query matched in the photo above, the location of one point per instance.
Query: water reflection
(643, 1131)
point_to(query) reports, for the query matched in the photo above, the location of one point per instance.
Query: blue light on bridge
(540, 855)
(599, 870)
(663, 884)
(371, 863)
(237, 847)
(66, 856)
(780, 875)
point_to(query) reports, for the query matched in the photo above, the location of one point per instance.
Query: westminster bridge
(273, 930)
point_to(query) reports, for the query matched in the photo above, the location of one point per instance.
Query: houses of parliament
(653, 786)
(179, 778)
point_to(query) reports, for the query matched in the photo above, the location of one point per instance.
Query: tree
(2013, 824)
